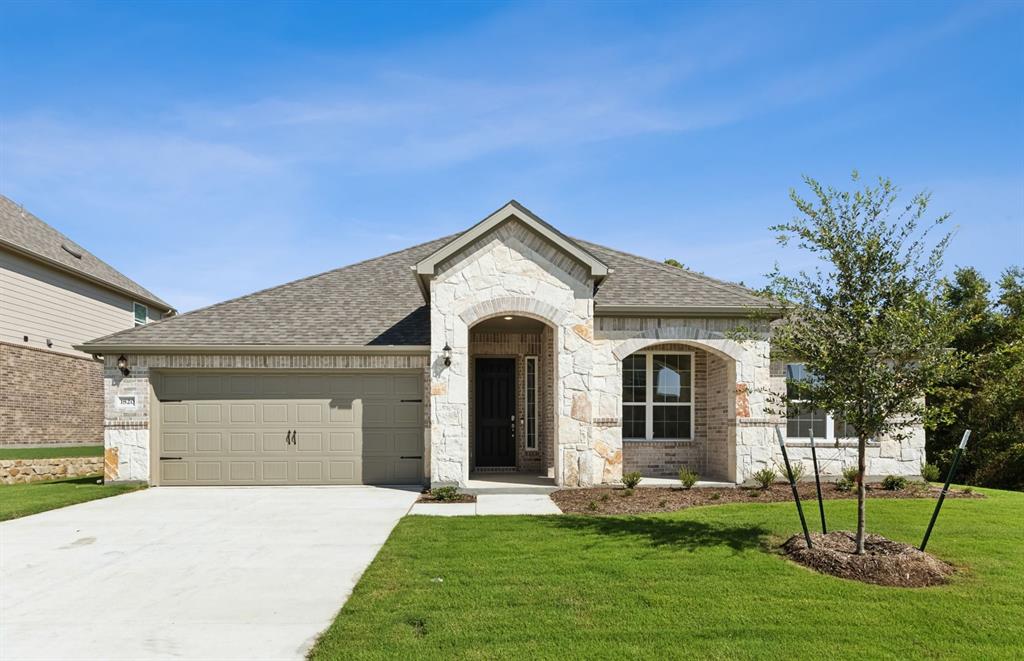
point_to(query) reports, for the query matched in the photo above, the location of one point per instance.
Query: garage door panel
(274, 413)
(274, 441)
(242, 414)
(309, 441)
(309, 413)
(342, 441)
(234, 428)
(242, 442)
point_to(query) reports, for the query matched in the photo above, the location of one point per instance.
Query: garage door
(245, 428)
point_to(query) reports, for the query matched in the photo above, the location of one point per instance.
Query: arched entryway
(678, 409)
(511, 396)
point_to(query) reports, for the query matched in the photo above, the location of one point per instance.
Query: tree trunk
(862, 464)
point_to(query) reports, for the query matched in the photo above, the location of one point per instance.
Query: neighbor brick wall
(49, 398)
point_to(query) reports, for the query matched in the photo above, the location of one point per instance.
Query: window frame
(135, 313)
(648, 404)
(830, 420)
(530, 423)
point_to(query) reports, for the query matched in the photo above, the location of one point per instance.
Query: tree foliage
(987, 395)
(863, 318)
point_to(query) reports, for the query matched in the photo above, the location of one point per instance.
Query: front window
(141, 314)
(803, 421)
(657, 396)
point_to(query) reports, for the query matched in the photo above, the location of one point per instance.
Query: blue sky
(209, 150)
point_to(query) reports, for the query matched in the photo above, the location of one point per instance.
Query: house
(507, 347)
(55, 294)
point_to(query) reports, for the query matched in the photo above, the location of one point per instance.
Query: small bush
(627, 492)
(687, 477)
(445, 493)
(843, 484)
(968, 490)
(894, 483)
(662, 503)
(765, 477)
(930, 473)
(605, 498)
(715, 496)
(591, 506)
(850, 474)
(630, 480)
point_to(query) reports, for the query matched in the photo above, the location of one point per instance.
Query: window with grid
(802, 420)
(657, 396)
(531, 403)
(141, 314)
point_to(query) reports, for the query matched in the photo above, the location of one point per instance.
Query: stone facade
(18, 471)
(49, 398)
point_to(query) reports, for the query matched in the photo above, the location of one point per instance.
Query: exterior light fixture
(122, 364)
(446, 352)
(508, 318)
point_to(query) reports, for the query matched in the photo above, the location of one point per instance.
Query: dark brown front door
(495, 412)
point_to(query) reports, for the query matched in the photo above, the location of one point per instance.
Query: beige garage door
(246, 428)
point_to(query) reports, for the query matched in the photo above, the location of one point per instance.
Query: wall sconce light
(446, 352)
(122, 364)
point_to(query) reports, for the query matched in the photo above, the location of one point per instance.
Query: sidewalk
(487, 504)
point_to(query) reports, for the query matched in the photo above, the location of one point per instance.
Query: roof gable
(26, 234)
(426, 267)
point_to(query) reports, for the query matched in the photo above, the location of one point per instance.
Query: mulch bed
(884, 561)
(644, 500)
(427, 497)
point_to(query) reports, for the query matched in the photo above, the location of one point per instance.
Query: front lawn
(704, 582)
(49, 452)
(23, 499)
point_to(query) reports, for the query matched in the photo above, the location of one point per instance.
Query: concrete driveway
(188, 572)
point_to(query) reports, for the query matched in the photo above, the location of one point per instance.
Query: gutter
(159, 305)
(402, 349)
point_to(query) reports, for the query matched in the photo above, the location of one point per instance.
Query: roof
(25, 233)
(378, 303)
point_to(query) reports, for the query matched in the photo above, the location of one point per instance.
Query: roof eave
(407, 349)
(52, 263)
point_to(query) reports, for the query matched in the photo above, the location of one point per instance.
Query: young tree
(864, 320)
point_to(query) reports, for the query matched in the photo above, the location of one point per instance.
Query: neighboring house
(54, 294)
(507, 347)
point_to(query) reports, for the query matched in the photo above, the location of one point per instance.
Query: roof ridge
(684, 271)
(267, 289)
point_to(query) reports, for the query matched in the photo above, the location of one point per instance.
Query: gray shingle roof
(378, 302)
(26, 233)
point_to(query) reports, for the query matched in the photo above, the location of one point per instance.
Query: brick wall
(49, 398)
(707, 453)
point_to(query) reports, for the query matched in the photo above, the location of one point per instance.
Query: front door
(495, 412)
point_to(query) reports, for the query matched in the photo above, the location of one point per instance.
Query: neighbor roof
(377, 303)
(24, 233)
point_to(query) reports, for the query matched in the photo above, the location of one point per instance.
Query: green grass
(18, 500)
(52, 452)
(700, 583)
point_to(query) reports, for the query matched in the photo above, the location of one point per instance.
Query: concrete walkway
(485, 504)
(188, 572)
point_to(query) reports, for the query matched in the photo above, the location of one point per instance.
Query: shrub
(687, 477)
(662, 503)
(715, 496)
(765, 477)
(850, 474)
(930, 473)
(630, 480)
(591, 506)
(605, 498)
(627, 492)
(843, 484)
(445, 493)
(894, 483)
(799, 470)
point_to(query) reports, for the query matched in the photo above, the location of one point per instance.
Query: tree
(675, 262)
(864, 320)
(987, 395)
